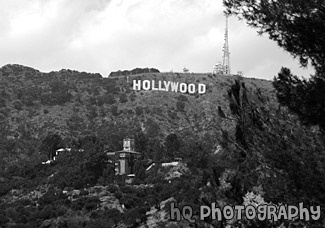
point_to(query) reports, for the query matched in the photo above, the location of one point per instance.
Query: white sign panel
(169, 86)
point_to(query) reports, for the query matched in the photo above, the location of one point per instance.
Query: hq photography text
(250, 212)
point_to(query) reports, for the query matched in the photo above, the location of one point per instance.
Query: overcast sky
(108, 35)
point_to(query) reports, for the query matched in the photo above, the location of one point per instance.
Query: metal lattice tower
(226, 53)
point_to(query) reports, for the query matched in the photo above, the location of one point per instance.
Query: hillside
(235, 145)
(74, 104)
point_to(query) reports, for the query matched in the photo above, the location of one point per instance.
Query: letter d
(202, 88)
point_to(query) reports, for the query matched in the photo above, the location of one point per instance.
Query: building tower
(226, 53)
(224, 67)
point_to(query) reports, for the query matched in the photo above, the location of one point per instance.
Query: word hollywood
(169, 86)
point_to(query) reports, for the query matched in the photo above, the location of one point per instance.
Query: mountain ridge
(232, 140)
(74, 104)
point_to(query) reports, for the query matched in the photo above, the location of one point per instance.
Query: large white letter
(153, 85)
(166, 85)
(136, 85)
(202, 88)
(146, 84)
(191, 88)
(159, 86)
(182, 88)
(174, 86)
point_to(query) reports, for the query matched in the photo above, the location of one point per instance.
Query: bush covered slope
(76, 104)
(238, 147)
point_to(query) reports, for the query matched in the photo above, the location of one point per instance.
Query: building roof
(126, 151)
(122, 151)
(110, 153)
(169, 164)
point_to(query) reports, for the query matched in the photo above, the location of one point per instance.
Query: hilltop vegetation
(75, 104)
(234, 139)
(133, 72)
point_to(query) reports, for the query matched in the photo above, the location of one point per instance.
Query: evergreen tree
(298, 27)
(172, 145)
(50, 144)
(304, 97)
(272, 149)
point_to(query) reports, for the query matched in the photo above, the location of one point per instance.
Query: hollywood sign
(169, 86)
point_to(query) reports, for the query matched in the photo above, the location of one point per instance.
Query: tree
(76, 124)
(140, 140)
(50, 144)
(114, 110)
(4, 130)
(298, 27)
(250, 121)
(90, 143)
(273, 150)
(79, 168)
(172, 145)
(140, 169)
(305, 98)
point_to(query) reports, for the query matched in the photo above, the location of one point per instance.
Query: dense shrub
(2, 103)
(114, 110)
(180, 106)
(133, 72)
(52, 195)
(135, 216)
(123, 98)
(138, 110)
(91, 203)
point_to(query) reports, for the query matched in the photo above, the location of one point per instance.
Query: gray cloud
(106, 35)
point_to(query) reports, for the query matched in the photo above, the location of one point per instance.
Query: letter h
(136, 85)
(174, 210)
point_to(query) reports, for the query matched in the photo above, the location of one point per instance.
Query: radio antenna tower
(226, 53)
